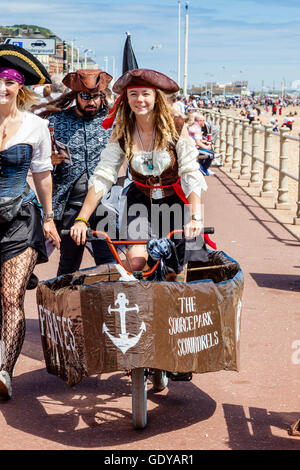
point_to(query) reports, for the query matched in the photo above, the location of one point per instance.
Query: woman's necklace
(3, 135)
(147, 159)
(4, 125)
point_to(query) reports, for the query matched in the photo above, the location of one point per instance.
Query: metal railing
(245, 156)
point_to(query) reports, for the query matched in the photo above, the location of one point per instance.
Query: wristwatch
(197, 217)
(48, 216)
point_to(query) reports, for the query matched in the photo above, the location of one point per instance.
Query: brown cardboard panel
(91, 323)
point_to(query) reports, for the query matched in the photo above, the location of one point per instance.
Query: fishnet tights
(14, 277)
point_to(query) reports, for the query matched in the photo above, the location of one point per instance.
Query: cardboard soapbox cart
(93, 322)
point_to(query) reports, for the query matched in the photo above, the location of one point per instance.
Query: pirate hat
(138, 78)
(146, 78)
(16, 57)
(88, 80)
(129, 60)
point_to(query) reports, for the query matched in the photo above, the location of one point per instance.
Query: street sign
(35, 46)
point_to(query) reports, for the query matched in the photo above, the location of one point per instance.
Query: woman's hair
(26, 98)
(166, 133)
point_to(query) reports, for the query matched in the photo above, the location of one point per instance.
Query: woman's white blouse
(34, 131)
(112, 157)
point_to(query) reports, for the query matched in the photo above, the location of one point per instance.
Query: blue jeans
(206, 162)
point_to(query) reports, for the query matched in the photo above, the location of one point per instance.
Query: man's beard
(88, 113)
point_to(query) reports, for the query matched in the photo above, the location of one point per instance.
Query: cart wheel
(159, 380)
(139, 398)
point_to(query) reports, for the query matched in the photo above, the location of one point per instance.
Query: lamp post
(65, 57)
(223, 67)
(106, 63)
(78, 54)
(282, 88)
(85, 56)
(113, 69)
(72, 54)
(179, 40)
(211, 84)
(185, 78)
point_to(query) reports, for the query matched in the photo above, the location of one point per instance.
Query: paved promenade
(251, 409)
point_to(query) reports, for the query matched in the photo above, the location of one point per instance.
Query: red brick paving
(251, 409)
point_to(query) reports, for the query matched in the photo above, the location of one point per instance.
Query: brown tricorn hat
(147, 78)
(88, 80)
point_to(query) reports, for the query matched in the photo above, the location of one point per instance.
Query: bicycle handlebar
(92, 233)
(112, 243)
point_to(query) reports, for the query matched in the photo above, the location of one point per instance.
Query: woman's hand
(51, 233)
(193, 229)
(78, 232)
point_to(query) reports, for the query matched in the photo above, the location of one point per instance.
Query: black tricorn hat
(16, 57)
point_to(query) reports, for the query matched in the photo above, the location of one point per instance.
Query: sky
(228, 40)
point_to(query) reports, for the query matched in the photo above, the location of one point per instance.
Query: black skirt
(145, 220)
(23, 232)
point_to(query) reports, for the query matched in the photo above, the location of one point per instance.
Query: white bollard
(217, 142)
(283, 188)
(254, 179)
(223, 126)
(236, 156)
(296, 220)
(245, 171)
(267, 188)
(229, 139)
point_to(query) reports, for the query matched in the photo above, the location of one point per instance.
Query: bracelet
(81, 219)
(48, 216)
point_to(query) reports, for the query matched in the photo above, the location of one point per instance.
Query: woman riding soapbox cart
(171, 305)
(105, 319)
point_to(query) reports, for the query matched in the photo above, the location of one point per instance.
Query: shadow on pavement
(32, 346)
(227, 182)
(96, 413)
(255, 432)
(287, 282)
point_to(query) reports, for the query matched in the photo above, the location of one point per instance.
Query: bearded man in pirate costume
(79, 128)
(162, 159)
(24, 144)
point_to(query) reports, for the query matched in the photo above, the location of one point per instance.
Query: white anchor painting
(123, 342)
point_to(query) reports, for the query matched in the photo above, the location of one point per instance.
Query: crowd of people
(281, 110)
(87, 146)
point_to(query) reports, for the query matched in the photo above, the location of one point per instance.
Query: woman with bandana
(24, 144)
